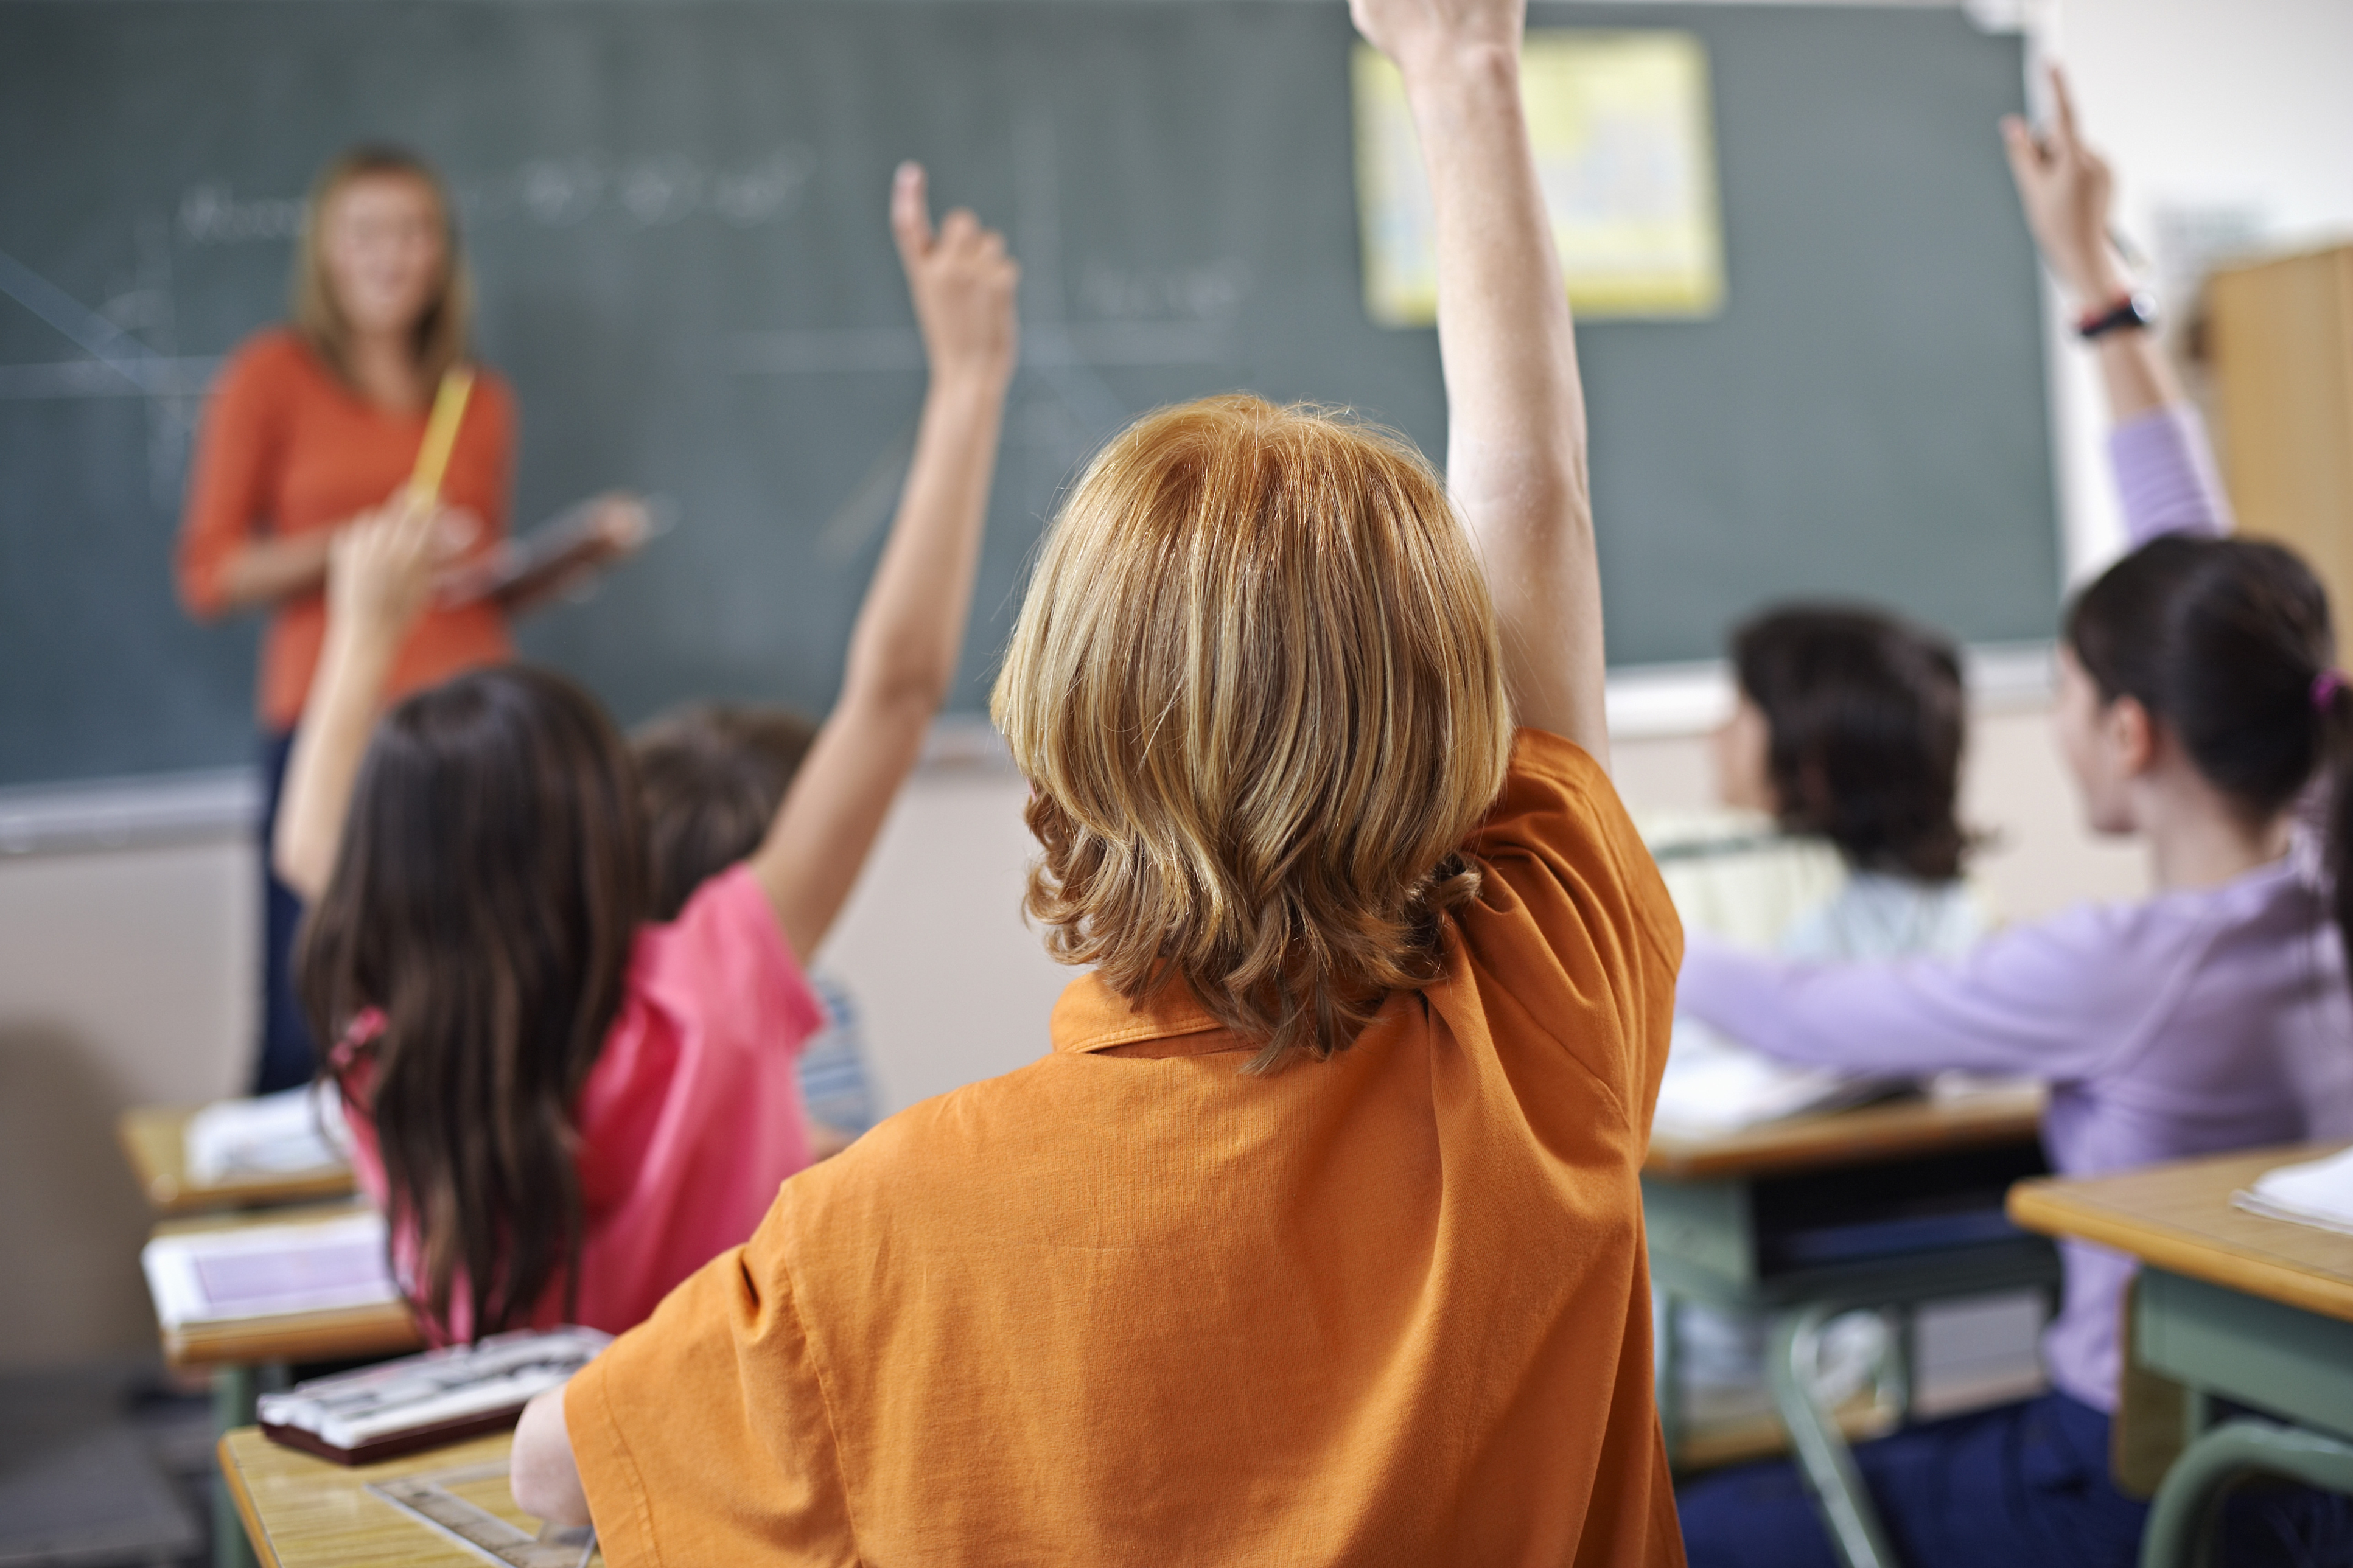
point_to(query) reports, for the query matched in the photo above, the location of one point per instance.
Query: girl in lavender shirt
(2198, 706)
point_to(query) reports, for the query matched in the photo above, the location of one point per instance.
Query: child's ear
(2131, 733)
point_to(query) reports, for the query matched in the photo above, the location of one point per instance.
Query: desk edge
(248, 1512)
(2032, 1205)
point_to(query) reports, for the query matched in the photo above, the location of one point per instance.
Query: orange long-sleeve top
(287, 448)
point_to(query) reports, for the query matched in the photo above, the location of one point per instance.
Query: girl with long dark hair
(565, 1107)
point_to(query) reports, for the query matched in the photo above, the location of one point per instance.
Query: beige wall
(121, 981)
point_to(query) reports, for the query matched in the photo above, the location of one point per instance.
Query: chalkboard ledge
(83, 816)
(1647, 702)
(1661, 701)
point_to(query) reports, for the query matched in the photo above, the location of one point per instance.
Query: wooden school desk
(153, 1140)
(298, 1511)
(247, 1354)
(2231, 1306)
(1882, 1206)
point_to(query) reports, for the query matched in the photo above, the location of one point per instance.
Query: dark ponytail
(2228, 643)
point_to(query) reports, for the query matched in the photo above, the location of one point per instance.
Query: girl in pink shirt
(563, 1109)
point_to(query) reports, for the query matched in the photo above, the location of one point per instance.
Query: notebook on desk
(286, 1133)
(1714, 1085)
(268, 1270)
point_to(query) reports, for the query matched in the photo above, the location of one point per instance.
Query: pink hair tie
(2325, 687)
(366, 1026)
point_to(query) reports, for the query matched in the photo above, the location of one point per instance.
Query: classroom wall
(123, 981)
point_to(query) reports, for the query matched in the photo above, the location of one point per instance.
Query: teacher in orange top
(313, 424)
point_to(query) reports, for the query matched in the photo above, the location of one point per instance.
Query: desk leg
(1823, 1458)
(2181, 1516)
(1670, 1378)
(234, 1392)
(1895, 1371)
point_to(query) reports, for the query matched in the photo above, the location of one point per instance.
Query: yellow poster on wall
(1625, 151)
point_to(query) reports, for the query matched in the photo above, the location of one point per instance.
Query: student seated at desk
(1849, 729)
(2198, 704)
(566, 1108)
(1837, 775)
(713, 776)
(1844, 747)
(1317, 1236)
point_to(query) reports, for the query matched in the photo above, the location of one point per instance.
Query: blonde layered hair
(441, 331)
(1257, 691)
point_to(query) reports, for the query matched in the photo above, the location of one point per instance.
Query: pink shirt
(690, 1118)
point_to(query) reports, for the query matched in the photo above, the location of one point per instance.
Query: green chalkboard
(674, 212)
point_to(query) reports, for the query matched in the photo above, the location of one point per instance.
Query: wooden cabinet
(2280, 338)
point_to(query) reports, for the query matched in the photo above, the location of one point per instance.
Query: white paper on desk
(294, 1131)
(265, 1270)
(2317, 1191)
(1715, 1084)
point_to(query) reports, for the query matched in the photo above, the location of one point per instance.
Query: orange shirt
(1137, 1308)
(287, 448)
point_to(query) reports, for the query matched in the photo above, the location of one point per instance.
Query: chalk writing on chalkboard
(552, 192)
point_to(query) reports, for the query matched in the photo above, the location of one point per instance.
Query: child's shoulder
(1559, 848)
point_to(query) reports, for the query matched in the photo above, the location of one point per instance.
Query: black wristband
(2136, 310)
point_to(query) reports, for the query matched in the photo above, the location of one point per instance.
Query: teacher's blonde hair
(1257, 691)
(442, 330)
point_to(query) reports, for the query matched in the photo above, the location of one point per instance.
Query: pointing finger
(911, 216)
(2063, 104)
(2017, 144)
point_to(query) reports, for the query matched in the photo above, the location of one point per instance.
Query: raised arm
(902, 652)
(378, 579)
(1516, 457)
(2165, 472)
(2067, 190)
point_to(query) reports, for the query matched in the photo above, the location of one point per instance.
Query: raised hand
(2066, 188)
(963, 283)
(1415, 33)
(380, 569)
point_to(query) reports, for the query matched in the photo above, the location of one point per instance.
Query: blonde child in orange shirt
(1317, 1235)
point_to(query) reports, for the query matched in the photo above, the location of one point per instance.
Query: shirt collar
(1092, 1016)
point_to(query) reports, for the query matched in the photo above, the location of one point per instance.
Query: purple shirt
(2187, 1024)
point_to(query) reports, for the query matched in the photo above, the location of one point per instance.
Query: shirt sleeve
(2166, 476)
(727, 950)
(1574, 916)
(702, 1436)
(2058, 999)
(236, 446)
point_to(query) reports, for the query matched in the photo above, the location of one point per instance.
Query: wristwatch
(2136, 310)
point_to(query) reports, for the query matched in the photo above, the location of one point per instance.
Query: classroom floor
(104, 1464)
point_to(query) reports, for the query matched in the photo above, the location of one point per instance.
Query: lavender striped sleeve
(2165, 474)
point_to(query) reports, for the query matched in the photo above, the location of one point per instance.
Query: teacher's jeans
(288, 1057)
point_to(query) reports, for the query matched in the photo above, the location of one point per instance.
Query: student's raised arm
(379, 576)
(2164, 471)
(1515, 459)
(2066, 189)
(902, 652)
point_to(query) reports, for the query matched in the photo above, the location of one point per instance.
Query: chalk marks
(651, 192)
